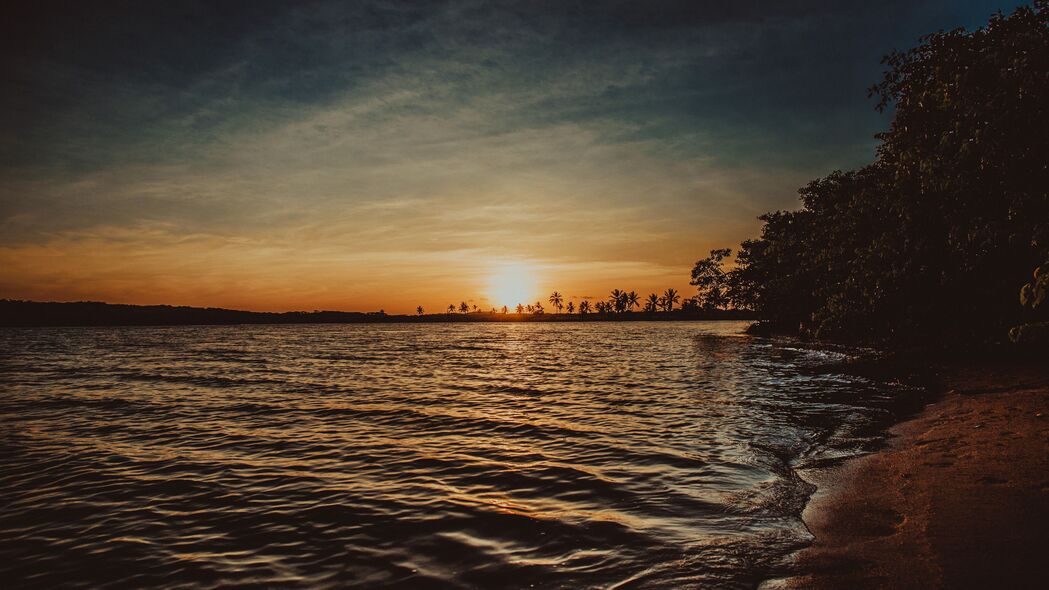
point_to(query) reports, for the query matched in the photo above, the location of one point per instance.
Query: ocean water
(594, 455)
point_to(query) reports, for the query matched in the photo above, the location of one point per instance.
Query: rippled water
(656, 455)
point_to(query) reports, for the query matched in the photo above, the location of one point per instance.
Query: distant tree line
(933, 241)
(618, 302)
(90, 313)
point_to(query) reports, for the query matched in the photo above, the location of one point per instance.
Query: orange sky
(270, 222)
(291, 219)
(151, 265)
(367, 155)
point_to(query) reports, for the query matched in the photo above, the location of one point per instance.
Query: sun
(511, 284)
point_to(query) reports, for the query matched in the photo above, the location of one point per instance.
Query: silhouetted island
(92, 313)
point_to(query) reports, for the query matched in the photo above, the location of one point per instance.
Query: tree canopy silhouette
(933, 240)
(669, 298)
(710, 279)
(557, 301)
(632, 300)
(617, 300)
(652, 303)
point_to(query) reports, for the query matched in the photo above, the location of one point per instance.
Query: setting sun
(511, 284)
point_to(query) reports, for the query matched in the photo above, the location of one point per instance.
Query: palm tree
(601, 307)
(463, 307)
(557, 301)
(670, 297)
(419, 310)
(571, 307)
(584, 307)
(451, 308)
(538, 307)
(618, 300)
(475, 308)
(631, 300)
(520, 308)
(530, 308)
(653, 303)
(504, 310)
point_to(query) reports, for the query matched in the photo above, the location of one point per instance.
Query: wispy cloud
(381, 153)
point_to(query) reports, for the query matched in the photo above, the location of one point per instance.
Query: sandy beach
(959, 499)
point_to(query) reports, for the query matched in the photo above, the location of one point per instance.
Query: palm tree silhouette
(451, 308)
(419, 310)
(618, 300)
(557, 301)
(504, 309)
(530, 308)
(571, 307)
(538, 307)
(631, 301)
(584, 307)
(463, 307)
(520, 308)
(653, 303)
(475, 308)
(670, 297)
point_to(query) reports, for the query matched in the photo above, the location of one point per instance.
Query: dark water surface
(612, 455)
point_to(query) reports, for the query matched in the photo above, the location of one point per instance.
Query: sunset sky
(365, 155)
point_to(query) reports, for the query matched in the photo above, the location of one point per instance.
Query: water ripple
(446, 456)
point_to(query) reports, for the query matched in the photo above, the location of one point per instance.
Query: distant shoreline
(26, 314)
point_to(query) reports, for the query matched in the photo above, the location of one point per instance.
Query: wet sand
(959, 499)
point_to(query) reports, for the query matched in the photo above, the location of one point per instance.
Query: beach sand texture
(960, 499)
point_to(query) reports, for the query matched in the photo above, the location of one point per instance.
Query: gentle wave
(447, 456)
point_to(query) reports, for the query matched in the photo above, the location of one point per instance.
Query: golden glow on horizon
(511, 284)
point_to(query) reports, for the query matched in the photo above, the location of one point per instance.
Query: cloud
(325, 150)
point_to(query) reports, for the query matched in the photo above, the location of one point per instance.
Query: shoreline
(958, 498)
(32, 314)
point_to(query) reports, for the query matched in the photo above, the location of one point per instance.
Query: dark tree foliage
(710, 278)
(933, 240)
